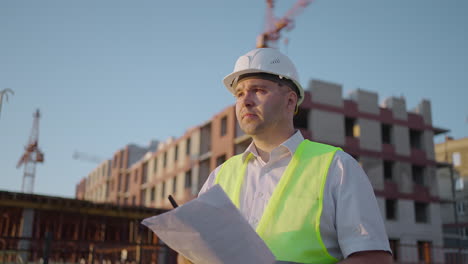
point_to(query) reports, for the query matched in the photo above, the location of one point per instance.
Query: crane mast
(274, 26)
(31, 156)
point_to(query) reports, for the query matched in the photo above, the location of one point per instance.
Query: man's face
(261, 106)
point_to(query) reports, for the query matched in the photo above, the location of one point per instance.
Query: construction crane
(32, 155)
(4, 93)
(273, 26)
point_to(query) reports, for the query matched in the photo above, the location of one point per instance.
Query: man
(310, 202)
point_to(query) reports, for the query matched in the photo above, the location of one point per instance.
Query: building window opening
(135, 175)
(143, 197)
(174, 185)
(163, 191)
(153, 193)
(187, 148)
(418, 174)
(416, 138)
(388, 170)
(176, 156)
(224, 126)
(394, 246)
(386, 134)
(144, 173)
(464, 233)
(421, 212)
(391, 209)
(352, 128)
(424, 251)
(188, 179)
(462, 207)
(127, 181)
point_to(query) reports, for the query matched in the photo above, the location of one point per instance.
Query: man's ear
(292, 100)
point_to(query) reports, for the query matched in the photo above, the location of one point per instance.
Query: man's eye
(260, 91)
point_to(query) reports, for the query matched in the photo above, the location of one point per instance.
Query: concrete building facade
(97, 182)
(395, 148)
(120, 181)
(454, 151)
(453, 189)
(393, 145)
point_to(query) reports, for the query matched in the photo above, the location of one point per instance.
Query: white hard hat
(264, 60)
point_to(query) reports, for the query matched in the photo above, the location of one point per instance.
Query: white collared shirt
(350, 220)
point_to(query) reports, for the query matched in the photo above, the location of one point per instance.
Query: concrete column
(398, 107)
(374, 170)
(424, 109)
(401, 140)
(326, 93)
(370, 134)
(27, 222)
(367, 101)
(403, 177)
(327, 127)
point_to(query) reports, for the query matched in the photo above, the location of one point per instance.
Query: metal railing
(425, 253)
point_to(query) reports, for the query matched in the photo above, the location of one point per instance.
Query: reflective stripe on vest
(290, 224)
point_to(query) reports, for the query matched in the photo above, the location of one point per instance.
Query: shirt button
(260, 194)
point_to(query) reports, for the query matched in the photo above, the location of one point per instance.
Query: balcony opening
(388, 170)
(391, 209)
(418, 174)
(386, 134)
(352, 128)
(424, 251)
(416, 138)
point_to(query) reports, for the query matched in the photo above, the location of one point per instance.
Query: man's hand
(369, 257)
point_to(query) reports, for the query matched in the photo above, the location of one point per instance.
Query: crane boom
(273, 26)
(86, 157)
(4, 94)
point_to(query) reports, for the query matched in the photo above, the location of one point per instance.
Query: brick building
(394, 146)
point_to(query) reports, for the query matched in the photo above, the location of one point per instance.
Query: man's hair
(274, 78)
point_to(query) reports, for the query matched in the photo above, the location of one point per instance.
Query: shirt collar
(291, 144)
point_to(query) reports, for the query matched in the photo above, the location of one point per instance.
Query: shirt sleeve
(358, 221)
(210, 182)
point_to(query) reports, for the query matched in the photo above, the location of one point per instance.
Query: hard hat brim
(228, 81)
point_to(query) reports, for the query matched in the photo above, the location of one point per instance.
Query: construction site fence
(47, 251)
(15, 250)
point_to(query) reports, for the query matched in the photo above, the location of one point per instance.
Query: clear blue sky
(110, 72)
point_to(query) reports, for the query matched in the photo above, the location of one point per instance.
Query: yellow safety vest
(290, 224)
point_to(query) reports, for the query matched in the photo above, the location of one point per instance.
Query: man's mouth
(249, 115)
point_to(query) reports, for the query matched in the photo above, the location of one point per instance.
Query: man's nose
(248, 99)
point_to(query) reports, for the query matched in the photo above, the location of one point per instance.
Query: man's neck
(266, 143)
